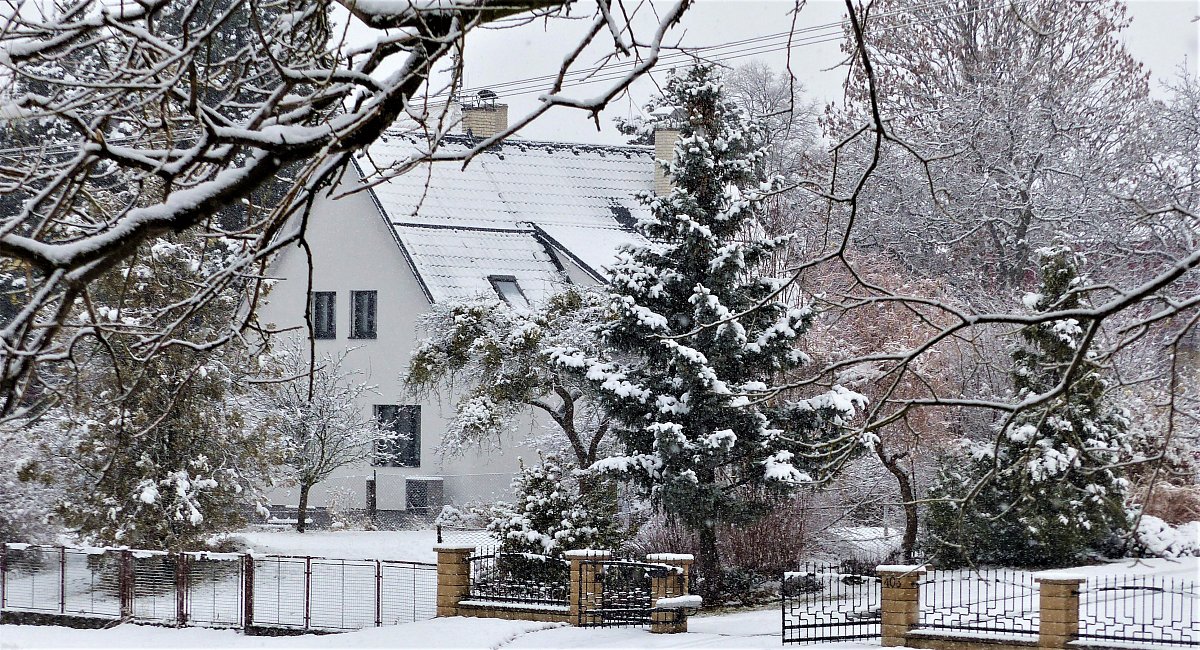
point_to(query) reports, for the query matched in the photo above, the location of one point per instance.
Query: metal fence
(1159, 609)
(989, 601)
(215, 589)
(623, 595)
(519, 578)
(831, 602)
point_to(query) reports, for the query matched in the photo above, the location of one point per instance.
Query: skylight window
(509, 291)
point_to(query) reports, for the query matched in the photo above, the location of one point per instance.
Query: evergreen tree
(697, 339)
(1054, 495)
(155, 447)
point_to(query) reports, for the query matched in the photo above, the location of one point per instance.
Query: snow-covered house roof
(510, 211)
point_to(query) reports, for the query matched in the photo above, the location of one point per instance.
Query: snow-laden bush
(1160, 539)
(552, 515)
(451, 517)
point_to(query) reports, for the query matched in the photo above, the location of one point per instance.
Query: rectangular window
(324, 314)
(362, 323)
(507, 288)
(400, 446)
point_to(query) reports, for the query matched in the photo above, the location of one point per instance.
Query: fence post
(900, 601)
(669, 585)
(181, 589)
(247, 591)
(453, 576)
(125, 582)
(586, 590)
(307, 590)
(1058, 596)
(3, 576)
(62, 579)
(379, 593)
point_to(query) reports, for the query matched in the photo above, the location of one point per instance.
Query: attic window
(507, 288)
(623, 216)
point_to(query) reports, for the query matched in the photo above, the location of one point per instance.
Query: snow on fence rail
(1157, 609)
(215, 589)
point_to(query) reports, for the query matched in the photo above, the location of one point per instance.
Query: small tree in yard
(315, 408)
(550, 515)
(1048, 492)
(696, 340)
(497, 354)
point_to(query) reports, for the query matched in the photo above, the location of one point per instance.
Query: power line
(766, 44)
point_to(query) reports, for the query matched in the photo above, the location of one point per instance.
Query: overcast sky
(1164, 33)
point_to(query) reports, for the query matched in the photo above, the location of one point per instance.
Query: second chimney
(484, 118)
(664, 152)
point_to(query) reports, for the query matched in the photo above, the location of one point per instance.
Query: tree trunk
(909, 543)
(708, 566)
(302, 510)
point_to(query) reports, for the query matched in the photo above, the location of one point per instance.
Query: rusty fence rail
(214, 589)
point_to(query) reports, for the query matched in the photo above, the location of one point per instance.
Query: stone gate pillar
(1058, 606)
(585, 585)
(453, 576)
(670, 620)
(901, 601)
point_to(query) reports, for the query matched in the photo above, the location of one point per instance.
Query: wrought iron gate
(621, 593)
(831, 602)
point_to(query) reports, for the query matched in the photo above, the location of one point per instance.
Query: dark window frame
(370, 329)
(406, 416)
(324, 322)
(495, 281)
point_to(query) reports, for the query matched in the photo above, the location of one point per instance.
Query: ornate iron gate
(621, 593)
(831, 602)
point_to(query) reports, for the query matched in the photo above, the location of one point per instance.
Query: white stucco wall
(353, 249)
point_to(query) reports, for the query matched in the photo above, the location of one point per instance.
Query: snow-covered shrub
(451, 517)
(1158, 538)
(551, 514)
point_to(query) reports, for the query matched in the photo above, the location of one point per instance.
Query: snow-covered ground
(757, 629)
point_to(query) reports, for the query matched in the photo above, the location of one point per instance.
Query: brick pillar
(669, 585)
(453, 576)
(664, 152)
(901, 601)
(1059, 609)
(586, 590)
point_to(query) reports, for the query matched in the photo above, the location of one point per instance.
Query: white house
(521, 220)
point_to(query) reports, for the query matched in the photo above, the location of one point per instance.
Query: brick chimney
(484, 118)
(664, 151)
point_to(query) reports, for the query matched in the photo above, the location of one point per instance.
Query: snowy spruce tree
(697, 340)
(550, 515)
(1047, 492)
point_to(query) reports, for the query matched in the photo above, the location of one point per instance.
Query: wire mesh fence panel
(33, 578)
(995, 601)
(1140, 608)
(830, 602)
(214, 590)
(93, 583)
(520, 578)
(407, 592)
(342, 594)
(155, 598)
(481, 539)
(479, 489)
(280, 596)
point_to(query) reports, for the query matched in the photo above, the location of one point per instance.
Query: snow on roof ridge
(517, 141)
